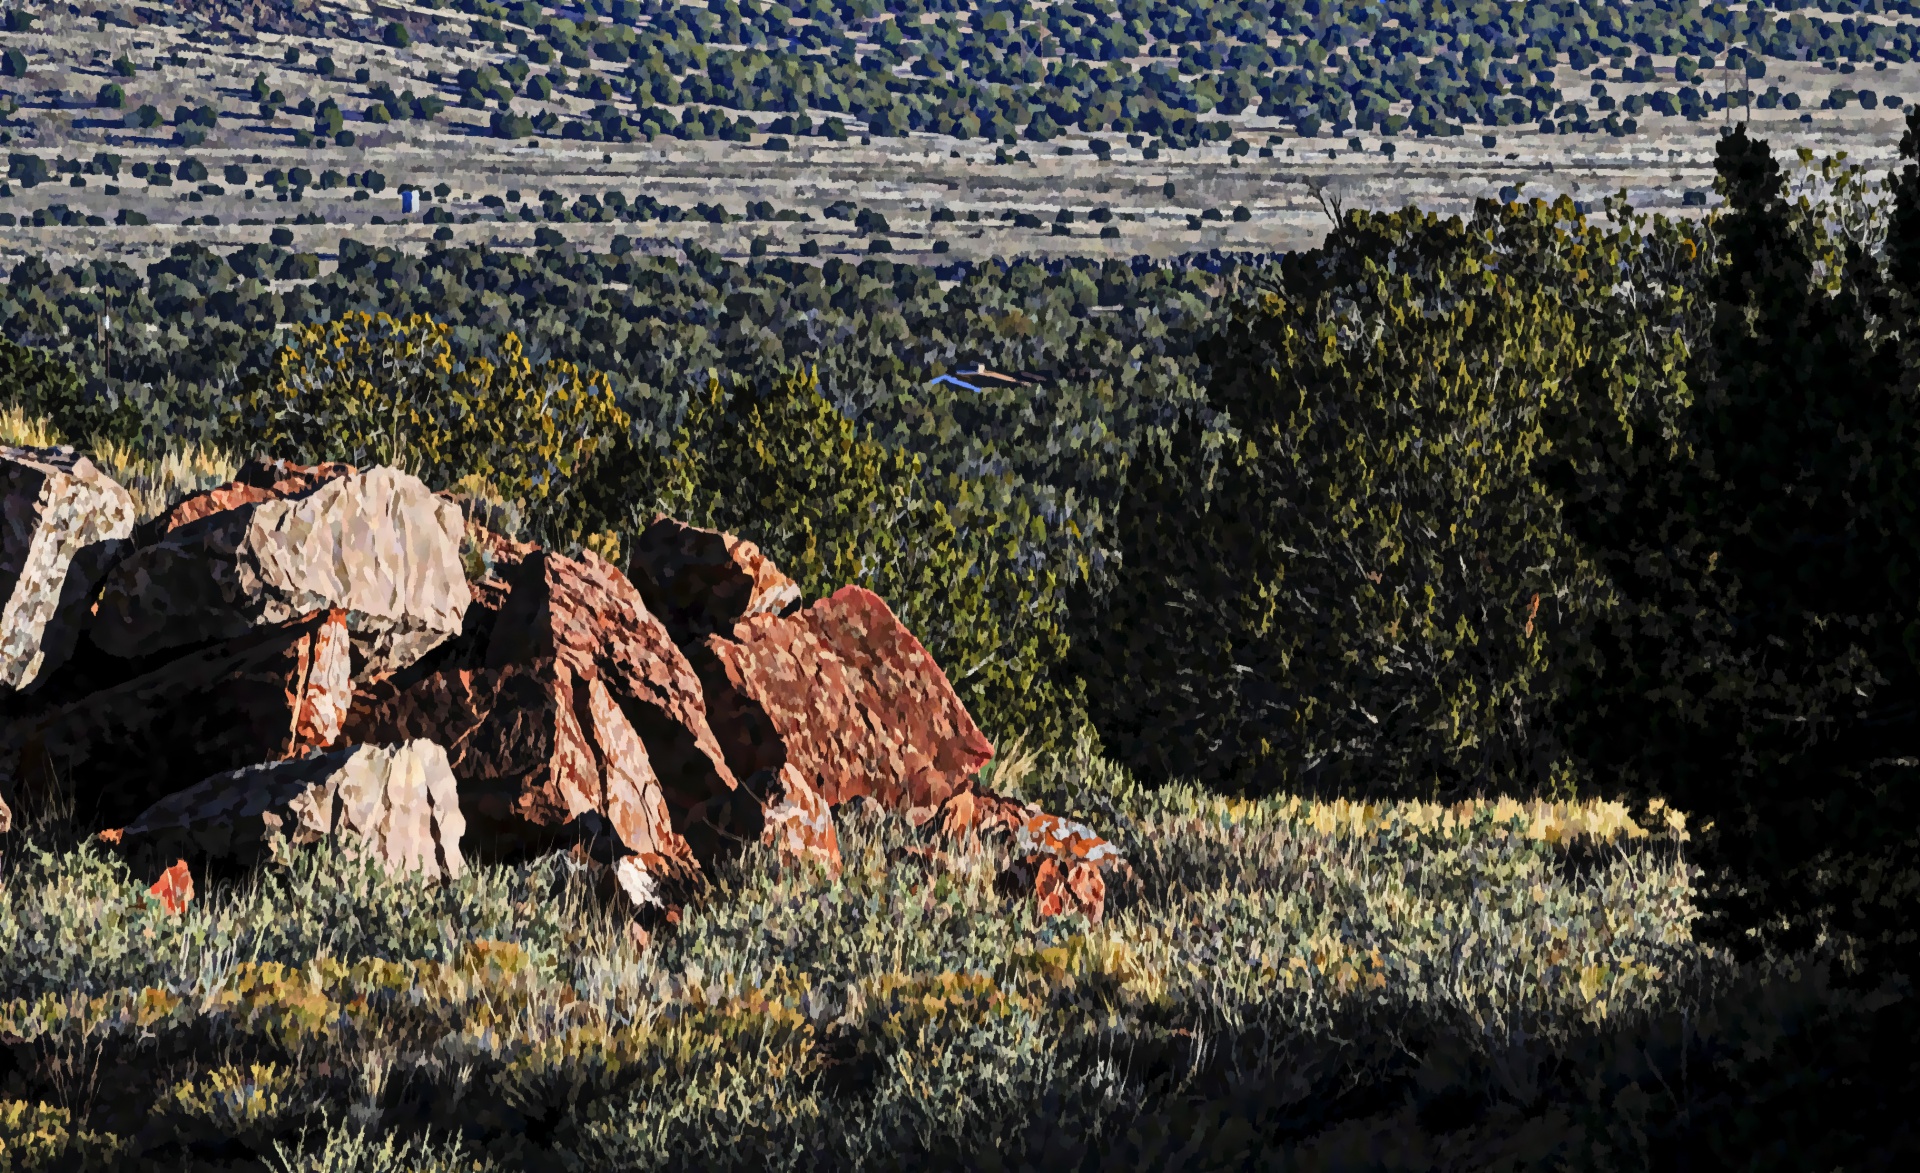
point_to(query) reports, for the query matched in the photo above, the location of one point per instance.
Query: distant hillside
(1018, 72)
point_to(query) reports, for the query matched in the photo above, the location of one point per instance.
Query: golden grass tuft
(156, 483)
(159, 483)
(20, 430)
(1012, 763)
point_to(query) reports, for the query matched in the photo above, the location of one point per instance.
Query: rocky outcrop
(395, 803)
(581, 719)
(257, 481)
(1065, 865)
(647, 725)
(276, 693)
(701, 581)
(377, 546)
(842, 692)
(62, 522)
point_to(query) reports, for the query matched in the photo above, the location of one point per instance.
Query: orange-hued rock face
(586, 616)
(842, 692)
(579, 716)
(174, 888)
(1058, 888)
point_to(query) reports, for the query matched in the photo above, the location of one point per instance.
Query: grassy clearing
(1278, 961)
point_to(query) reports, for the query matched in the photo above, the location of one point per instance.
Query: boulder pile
(327, 653)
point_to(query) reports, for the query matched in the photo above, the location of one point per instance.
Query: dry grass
(20, 430)
(159, 482)
(792, 1020)
(156, 483)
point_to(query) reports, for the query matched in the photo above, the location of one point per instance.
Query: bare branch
(1332, 200)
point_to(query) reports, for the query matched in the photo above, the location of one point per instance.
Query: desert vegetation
(449, 118)
(875, 1018)
(1010, 71)
(1488, 639)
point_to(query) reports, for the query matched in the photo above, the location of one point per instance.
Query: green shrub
(380, 390)
(39, 384)
(833, 505)
(1363, 584)
(1761, 666)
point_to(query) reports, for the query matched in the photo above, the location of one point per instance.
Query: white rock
(63, 523)
(397, 802)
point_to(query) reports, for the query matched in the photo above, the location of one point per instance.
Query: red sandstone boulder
(276, 693)
(588, 617)
(843, 693)
(581, 718)
(701, 581)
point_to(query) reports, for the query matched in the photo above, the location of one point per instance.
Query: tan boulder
(377, 546)
(700, 581)
(844, 693)
(62, 522)
(257, 481)
(397, 803)
(277, 692)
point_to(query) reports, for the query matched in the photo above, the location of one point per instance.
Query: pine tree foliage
(1367, 584)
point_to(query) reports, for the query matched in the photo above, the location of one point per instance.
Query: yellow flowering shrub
(375, 389)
